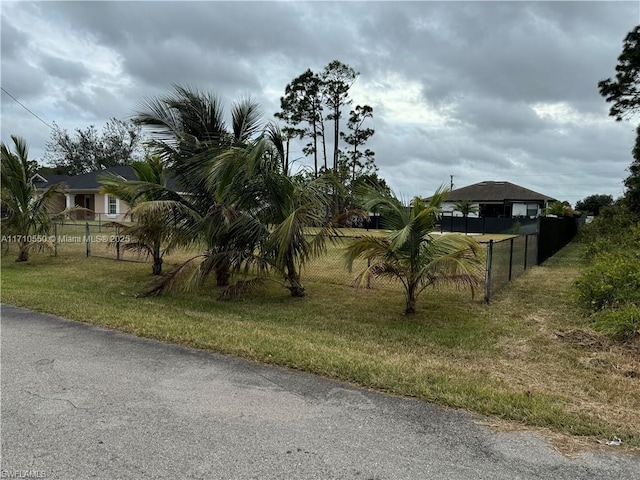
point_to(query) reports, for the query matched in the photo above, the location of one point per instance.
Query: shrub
(622, 324)
(615, 226)
(612, 280)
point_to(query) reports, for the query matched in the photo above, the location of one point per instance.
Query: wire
(18, 102)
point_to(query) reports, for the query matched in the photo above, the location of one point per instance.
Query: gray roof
(49, 179)
(89, 181)
(85, 181)
(490, 191)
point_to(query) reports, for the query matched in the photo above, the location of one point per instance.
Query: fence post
(487, 280)
(510, 257)
(87, 238)
(117, 243)
(526, 250)
(55, 239)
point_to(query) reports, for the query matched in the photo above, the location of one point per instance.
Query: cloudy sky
(477, 90)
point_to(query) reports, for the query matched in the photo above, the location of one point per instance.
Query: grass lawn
(529, 357)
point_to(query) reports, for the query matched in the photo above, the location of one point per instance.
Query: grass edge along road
(528, 357)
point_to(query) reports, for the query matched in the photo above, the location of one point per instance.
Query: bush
(615, 226)
(622, 324)
(610, 285)
(612, 280)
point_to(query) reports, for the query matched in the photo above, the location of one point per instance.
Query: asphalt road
(80, 402)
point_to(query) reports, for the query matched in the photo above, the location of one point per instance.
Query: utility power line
(19, 103)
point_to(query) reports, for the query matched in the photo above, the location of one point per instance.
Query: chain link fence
(505, 260)
(508, 259)
(95, 239)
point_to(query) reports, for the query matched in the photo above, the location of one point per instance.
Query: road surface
(80, 402)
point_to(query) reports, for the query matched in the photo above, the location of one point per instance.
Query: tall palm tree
(28, 213)
(410, 253)
(189, 131)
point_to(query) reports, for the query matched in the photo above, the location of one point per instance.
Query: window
(113, 206)
(532, 210)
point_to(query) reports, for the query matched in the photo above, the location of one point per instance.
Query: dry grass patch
(555, 352)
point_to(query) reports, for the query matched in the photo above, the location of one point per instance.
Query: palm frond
(369, 248)
(453, 259)
(246, 120)
(44, 245)
(171, 280)
(377, 270)
(241, 287)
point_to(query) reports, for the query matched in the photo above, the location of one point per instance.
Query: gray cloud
(13, 40)
(67, 70)
(482, 68)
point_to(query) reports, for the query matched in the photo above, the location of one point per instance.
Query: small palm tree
(560, 209)
(152, 206)
(278, 208)
(466, 207)
(28, 213)
(410, 253)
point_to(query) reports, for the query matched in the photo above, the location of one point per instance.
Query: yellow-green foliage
(609, 287)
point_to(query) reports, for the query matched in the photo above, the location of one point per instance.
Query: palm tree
(466, 207)
(265, 215)
(410, 253)
(278, 208)
(189, 131)
(154, 208)
(28, 213)
(560, 209)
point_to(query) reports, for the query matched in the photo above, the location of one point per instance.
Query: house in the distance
(498, 199)
(84, 191)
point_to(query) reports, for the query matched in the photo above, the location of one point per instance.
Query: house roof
(89, 181)
(490, 191)
(44, 180)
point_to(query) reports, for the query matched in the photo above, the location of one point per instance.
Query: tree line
(311, 103)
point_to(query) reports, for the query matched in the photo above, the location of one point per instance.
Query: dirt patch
(568, 445)
(581, 338)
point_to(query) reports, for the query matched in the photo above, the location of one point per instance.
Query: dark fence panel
(554, 233)
(514, 225)
(510, 258)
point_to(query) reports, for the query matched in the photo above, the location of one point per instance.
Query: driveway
(80, 402)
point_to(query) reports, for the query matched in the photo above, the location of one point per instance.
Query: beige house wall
(98, 203)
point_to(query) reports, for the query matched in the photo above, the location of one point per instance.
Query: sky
(503, 91)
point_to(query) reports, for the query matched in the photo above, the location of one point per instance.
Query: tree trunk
(297, 290)
(293, 277)
(411, 299)
(157, 266)
(23, 255)
(324, 147)
(156, 269)
(315, 150)
(223, 275)
(336, 138)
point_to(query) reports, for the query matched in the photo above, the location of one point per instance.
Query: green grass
(515, 358)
